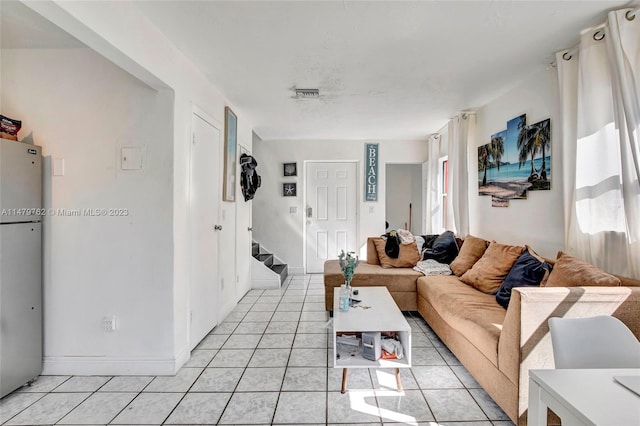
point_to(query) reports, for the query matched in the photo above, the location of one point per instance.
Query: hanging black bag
(249, 179)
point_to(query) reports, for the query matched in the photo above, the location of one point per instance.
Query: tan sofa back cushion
(372, 251)
(471, 251)
(570, 271)
(488, 273)
(407, 258)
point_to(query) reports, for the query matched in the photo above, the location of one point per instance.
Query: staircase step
(267, 259)
(278, 267)
(282, 270)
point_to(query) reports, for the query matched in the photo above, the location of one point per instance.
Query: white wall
(117, 31)
(81, 108)
(282, 232)
(538, 220)
(404, 186)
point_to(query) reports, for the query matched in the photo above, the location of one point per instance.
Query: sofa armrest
(525, 342)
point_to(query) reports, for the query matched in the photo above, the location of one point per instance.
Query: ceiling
(21, 28)
(385, 69)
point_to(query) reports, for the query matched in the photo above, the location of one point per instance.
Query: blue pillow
(444, 248)
(528, 271)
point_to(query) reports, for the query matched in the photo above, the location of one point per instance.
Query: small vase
(345, 299)
(347, 285)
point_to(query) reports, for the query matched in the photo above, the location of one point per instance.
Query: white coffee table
(377, 312)
(583, 397)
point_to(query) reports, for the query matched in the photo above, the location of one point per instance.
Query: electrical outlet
(109, 323)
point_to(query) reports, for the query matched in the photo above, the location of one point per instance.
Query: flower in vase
(348, 264)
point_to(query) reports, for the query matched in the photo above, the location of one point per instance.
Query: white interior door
(204, 196)
(330, 212)
(243, 248)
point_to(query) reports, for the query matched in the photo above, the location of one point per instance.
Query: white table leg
(537, 412)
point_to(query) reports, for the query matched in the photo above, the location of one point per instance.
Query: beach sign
(371, 172)
(516, 160)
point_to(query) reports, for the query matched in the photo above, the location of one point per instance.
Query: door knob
(249, 229)
(217, 227)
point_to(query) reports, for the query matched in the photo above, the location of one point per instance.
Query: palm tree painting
(515, 161)
(490, 156)
(533, 142)
(483, 164)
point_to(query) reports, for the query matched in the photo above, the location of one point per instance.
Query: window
(443, 184)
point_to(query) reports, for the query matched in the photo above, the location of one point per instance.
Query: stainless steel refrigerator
(20, 264)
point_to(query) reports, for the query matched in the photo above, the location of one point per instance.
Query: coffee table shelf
(377, 312)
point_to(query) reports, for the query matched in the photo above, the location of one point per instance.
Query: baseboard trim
(112, 366)
(181, 358)
(257, 284)
(296, 271)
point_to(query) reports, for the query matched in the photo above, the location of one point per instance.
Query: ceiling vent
(307, 93)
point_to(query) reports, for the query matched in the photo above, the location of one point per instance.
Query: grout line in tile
(43, 395)
(76, 406)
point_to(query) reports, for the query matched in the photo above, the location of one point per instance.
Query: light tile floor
(268, 363)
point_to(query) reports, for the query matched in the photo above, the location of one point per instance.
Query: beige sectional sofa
(497, 346)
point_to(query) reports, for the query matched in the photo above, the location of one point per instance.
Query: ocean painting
(515, 161)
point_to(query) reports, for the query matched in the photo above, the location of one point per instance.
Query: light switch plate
(58, 167)
(293, 210)
(132, 158)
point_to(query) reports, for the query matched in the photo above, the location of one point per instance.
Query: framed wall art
(289, 189)
(230, 146)
(515, 161)
(371, 172)
(290, 169)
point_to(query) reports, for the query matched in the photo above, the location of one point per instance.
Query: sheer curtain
(599, 90)
(432, 203)
(460, 129)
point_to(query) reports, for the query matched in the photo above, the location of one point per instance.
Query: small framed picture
(290, 169)
(230, 146)
(289, 189)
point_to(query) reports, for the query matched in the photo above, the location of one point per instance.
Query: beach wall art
(515, 161)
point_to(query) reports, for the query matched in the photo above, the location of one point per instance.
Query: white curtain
(460, 129)
(433, 206)
(600, 91)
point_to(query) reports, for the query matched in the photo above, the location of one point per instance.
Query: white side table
(583, 397)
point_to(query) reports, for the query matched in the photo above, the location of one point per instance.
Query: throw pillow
(472, 249)
(530, 270)
(408, 255)
(570, 271)
(444, 249)
(488, 273)
(428, 241)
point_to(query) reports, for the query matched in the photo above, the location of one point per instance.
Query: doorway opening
(404, 197)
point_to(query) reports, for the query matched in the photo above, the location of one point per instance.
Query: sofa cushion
(474, 314)
(396, 280)
(472, 249)
(488, 273)
(570, 271)
(407, 258)
(444, 248)
(530, 270)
